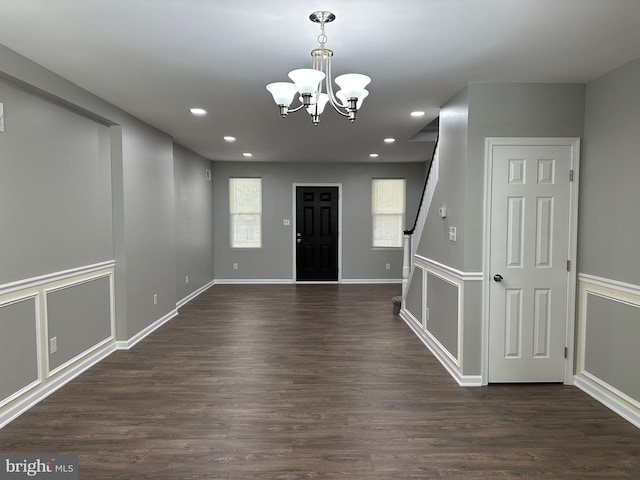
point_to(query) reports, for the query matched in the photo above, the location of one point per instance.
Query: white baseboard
(289, 281)
(194, 294)
(371, 281)
(452, 369)
(127, 344)
(54, 383)
(254, 281)
(608, 399)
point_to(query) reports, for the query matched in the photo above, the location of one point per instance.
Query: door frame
(490, 143)
(294, 228)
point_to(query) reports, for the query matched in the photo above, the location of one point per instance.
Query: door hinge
(566, 352)
(571, 175)
(568, 265)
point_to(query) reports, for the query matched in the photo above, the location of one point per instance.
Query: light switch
(1, 117)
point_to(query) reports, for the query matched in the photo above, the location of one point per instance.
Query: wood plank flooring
(310, 382)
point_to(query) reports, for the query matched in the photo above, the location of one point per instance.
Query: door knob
(497, 277)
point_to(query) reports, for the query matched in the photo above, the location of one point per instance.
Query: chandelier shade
(306, 80)
(283, 92)
(317, 107)
(352, 84)
(315, 85)
(345, 101)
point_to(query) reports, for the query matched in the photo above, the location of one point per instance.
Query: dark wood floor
(313, 382)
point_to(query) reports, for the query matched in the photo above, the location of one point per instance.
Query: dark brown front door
(317, 233)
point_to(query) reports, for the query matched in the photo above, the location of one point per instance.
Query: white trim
(610, 283)
(288, 281)
(430, 343)
(369, 281)
(254, 281)
(294, 224)
(97, 346)
(490, 143)
(459, 274)
(127, 344)
(604, 397)
(52, 385)
(55, 276)
(195, 293)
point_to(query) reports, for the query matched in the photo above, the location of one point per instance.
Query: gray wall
(194, 221)
(55, 188)
(275, 259)
(609, 226)
(450, 190)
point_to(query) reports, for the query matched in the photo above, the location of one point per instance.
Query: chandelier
(308, 83)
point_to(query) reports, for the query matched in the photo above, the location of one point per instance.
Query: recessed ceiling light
(374, 155)
(230, 138)
(389, 140)
(198, 111)
(247, 154)
(417, 114)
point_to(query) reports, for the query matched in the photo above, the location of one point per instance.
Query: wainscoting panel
(608, 354)
(79, 317)
(77, 307)
(444, 319)
(19, 348)
(439, 322)
(414, 298)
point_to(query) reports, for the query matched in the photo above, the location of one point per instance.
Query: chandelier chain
(322, 38)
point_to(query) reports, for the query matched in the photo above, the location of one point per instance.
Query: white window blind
(245, 212)
(387, 208)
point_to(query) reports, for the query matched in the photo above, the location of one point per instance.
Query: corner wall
(608, 233)
(479, 111)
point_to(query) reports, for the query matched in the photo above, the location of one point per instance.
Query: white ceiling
(157, 58)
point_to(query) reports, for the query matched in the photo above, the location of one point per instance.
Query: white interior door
(529, 249)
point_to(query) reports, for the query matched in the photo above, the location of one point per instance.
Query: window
(387, 208)
(245, 212)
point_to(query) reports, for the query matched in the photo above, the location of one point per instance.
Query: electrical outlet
(53, 345)
(155, 298)
(1, 117)
(235, 266)
(388, 266)
(186, 279)
(452, 234)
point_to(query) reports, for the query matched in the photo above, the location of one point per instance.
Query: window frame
(375, 215)
(233, 241)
